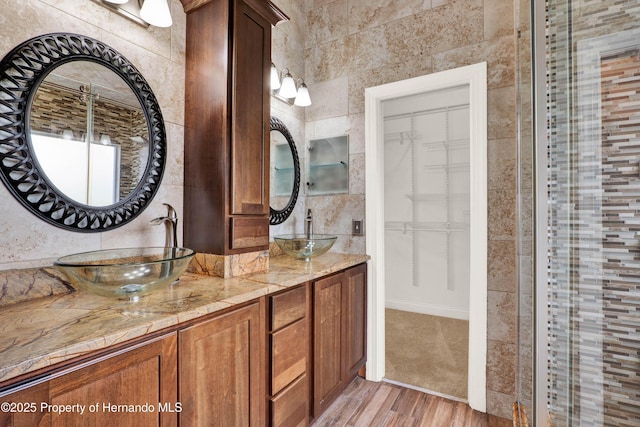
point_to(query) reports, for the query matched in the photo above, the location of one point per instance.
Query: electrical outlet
(357, 228)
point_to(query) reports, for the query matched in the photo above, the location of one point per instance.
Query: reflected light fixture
(105, 139)
(143, 12)
(287, 90)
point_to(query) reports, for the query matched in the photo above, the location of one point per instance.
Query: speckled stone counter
(43, 332)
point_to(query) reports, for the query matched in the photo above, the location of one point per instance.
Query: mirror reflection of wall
(283, 179)
(89, 133)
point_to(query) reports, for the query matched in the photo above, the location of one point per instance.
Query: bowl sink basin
(125, 273)
(302, 247)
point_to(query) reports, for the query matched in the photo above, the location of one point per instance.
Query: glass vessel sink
(303, 247)
(125, 273)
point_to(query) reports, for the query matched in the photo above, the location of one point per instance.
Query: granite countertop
(42, 332)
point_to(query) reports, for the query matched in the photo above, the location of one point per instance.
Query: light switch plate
(357, 228)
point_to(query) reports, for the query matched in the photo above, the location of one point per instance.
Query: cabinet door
(355, 320)
(133, 386)
(250, 112)
(327, 347)
(221, 374)
(226, 173)
(25, 407)
(144, 375)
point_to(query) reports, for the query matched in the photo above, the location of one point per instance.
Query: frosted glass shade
(156, 13)
(303, 99)
(288, 88)
(117, 1)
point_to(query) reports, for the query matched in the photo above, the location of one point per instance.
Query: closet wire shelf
(440, 227)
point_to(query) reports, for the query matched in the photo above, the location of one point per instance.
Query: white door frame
(475, 76)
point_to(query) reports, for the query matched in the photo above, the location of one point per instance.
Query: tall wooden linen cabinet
(228, 60)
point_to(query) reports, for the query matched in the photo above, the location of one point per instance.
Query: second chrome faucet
(308, 225)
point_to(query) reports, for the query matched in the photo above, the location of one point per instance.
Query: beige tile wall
(158, 53)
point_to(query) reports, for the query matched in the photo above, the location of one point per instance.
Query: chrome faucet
(308, 225)
(171, 226)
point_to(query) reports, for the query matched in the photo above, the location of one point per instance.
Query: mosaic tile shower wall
(594, 275)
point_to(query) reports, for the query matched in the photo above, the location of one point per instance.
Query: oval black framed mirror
(285, 172)
(82, 138)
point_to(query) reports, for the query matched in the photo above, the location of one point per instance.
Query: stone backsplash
(20, 285)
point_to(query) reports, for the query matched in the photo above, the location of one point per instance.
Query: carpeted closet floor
(426, 351)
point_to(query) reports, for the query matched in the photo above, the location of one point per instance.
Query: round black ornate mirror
(82, 138)
(285, 173)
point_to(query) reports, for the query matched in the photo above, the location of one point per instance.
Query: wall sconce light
(143, 12)
(302, 98)
(286, 90)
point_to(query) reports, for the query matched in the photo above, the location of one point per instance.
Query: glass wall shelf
(328, 170)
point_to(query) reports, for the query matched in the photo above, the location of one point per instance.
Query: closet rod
(435, 230)
(446, 167)
(427, 111)
(405, 226)
(448, 143)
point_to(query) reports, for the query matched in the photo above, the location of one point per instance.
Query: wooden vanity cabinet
(339, 328)
(221, 374)
(227, 111)
(140, 374)
(289, 357)
(279, 360)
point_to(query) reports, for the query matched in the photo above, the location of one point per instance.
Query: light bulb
(288, 88)
(156, 12)
(303, 99)
(275, 79)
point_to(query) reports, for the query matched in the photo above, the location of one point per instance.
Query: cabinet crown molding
(268, 10)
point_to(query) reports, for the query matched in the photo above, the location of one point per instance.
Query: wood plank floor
(366, 403)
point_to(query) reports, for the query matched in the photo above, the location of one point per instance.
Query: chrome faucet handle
(171, 212)
(171, 226)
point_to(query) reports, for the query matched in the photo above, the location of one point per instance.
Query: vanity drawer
(289, 349)
(248, 232)
(291, 407)
(288, 307)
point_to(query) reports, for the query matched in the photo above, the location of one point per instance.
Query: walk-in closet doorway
(426, 216)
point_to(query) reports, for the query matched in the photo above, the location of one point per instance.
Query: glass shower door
(591, 285)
